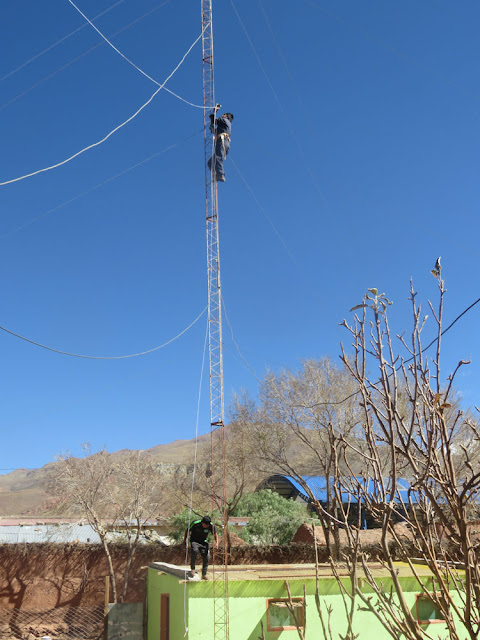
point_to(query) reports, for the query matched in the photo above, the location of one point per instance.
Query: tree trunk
(111, 570)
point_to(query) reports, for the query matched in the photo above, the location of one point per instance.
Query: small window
(281, 614)
(428, 611)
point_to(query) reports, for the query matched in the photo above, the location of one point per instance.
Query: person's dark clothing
(222, 128)
(198, 544)
(199, 533)
(222, 146)
(222, 124)
(202, 549)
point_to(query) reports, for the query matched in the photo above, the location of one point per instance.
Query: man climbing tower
(222, 128)
(198, 533)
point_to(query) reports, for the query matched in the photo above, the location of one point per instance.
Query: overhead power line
(52, 46)
(131, 355)
(265, 215)
(248, 365)
(408, 57)
(283, 111)
(434, 341)
(355, 393)
(82, 55)
(99, 142)
(198, 106)
(65, 203)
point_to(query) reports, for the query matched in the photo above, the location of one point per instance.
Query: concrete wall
(125, 621)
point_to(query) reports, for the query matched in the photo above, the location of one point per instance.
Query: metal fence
(75, 623)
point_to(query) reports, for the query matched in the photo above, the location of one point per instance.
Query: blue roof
(318, 488)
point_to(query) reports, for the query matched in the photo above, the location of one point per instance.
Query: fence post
(105, 609)
(107, 594)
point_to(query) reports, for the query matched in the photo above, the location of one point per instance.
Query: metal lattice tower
(220, 558)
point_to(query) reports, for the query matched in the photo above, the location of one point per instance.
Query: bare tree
(82, 486)
(410, 470)
(394, 443)
(110, 492)
(202, 484)
(137, 496)
(300, 429)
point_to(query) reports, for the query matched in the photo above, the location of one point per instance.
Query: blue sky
(354, 163)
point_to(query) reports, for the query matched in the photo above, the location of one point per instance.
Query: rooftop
(41, 533)
(290, 487)
(287, 571)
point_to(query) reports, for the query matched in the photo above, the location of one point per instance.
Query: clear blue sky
(354, 163)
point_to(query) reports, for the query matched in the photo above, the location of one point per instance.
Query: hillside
(23, 492)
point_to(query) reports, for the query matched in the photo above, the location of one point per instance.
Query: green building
(179, 608)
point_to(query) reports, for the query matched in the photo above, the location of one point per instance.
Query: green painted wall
(247, 608)
(156, 585)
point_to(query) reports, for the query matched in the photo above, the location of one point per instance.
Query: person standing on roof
(222, 128)
(198, 533)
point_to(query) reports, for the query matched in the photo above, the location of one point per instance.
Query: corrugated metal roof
(318, 487)
(38, 520)
(73, 532)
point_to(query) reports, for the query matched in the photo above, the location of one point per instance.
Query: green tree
(272, 519)
(300, 426)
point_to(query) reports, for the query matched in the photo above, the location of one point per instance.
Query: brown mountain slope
(23, 492)
(180, 451)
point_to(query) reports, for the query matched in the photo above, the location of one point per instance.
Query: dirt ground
(367, 537)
